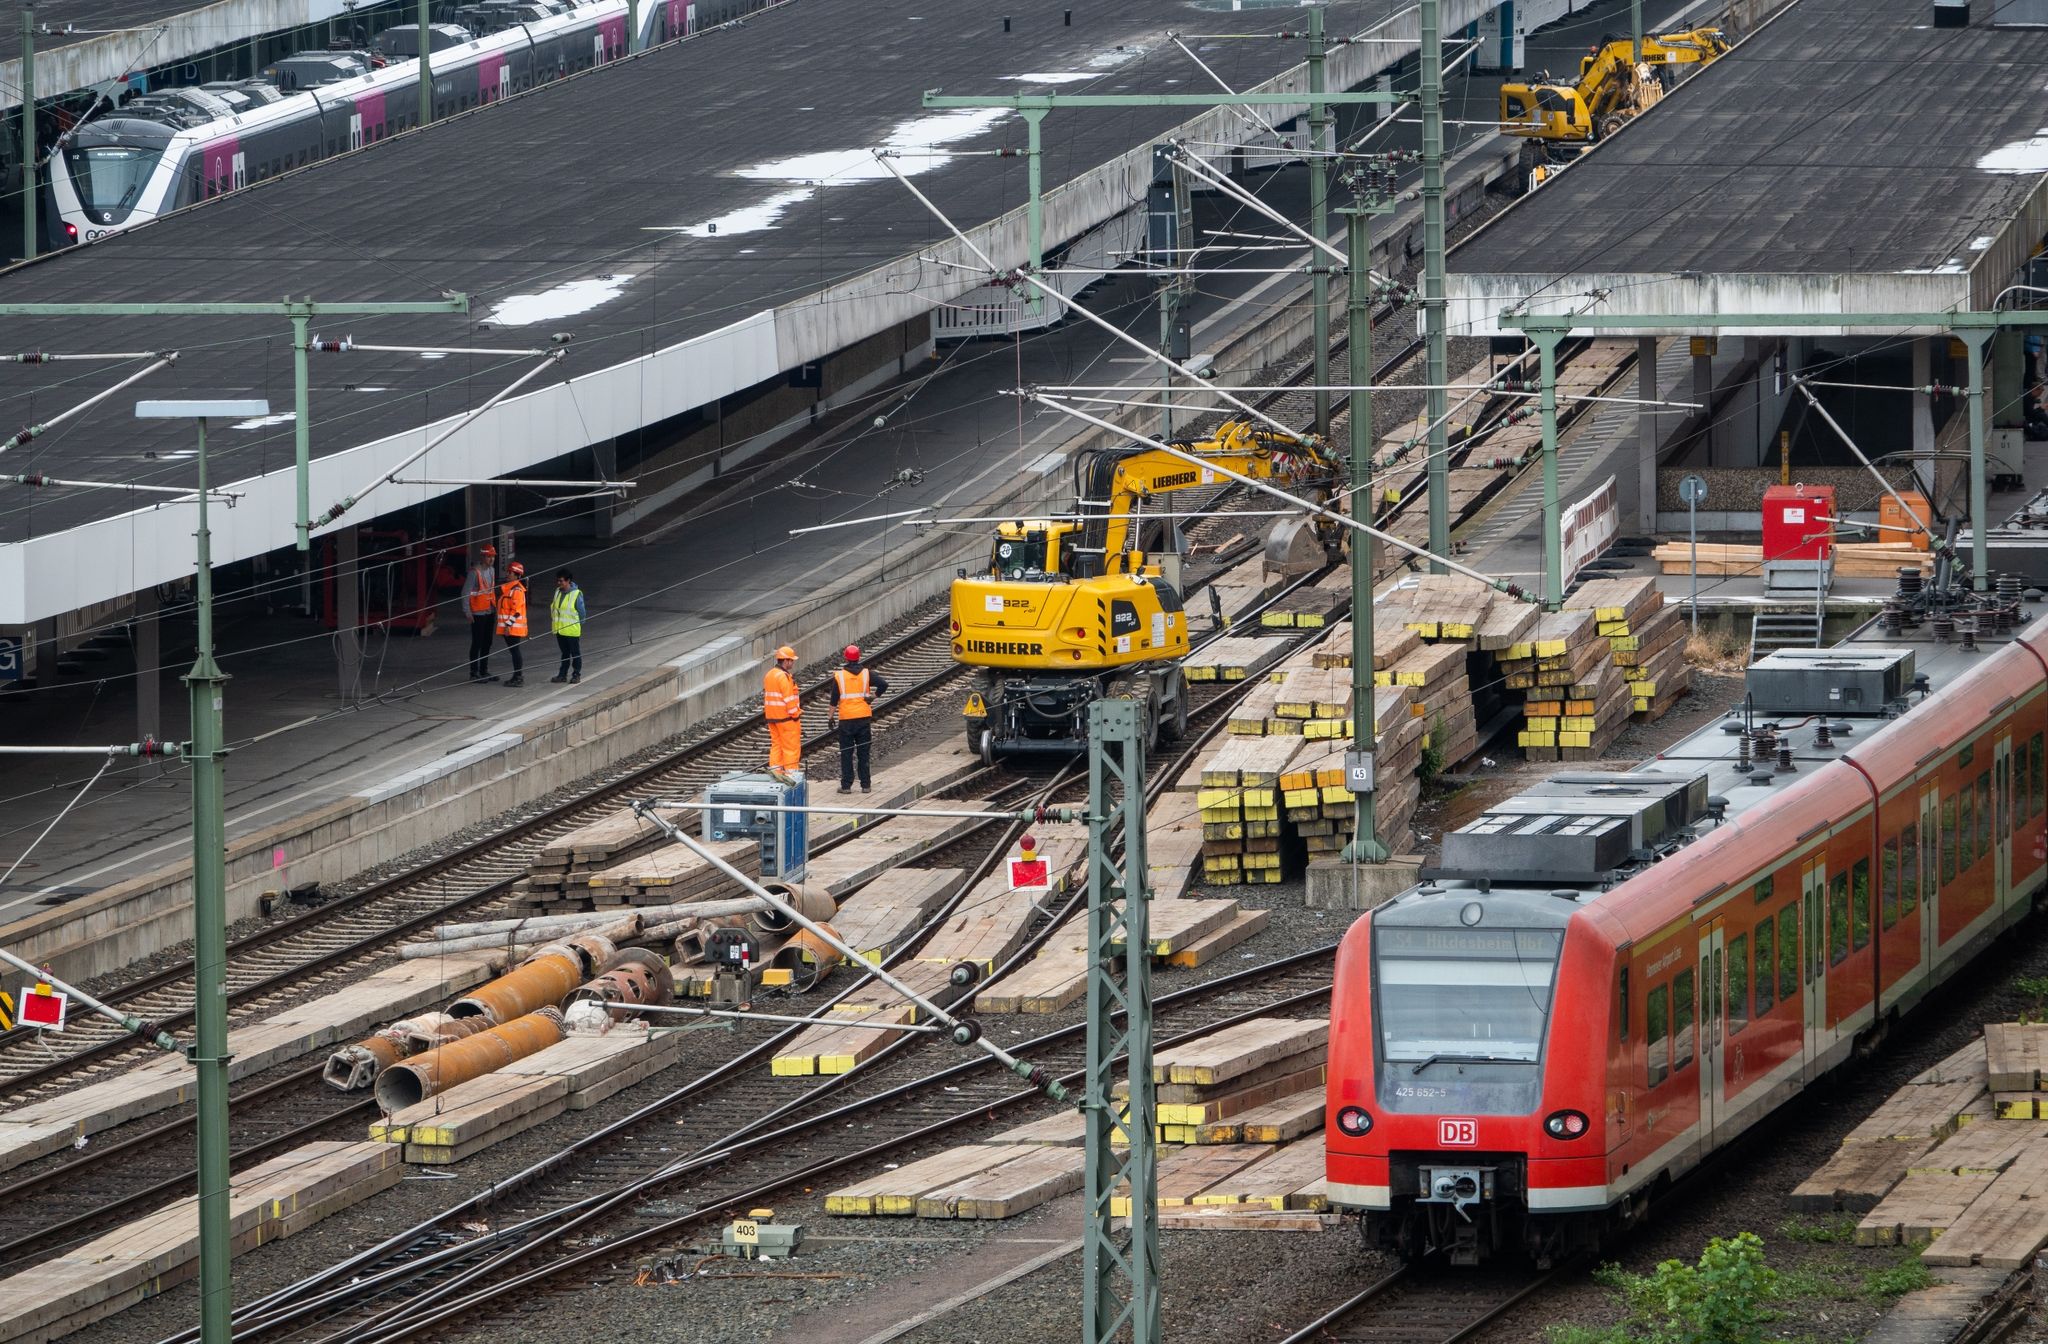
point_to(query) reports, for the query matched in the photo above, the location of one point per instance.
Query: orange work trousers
(785, 744)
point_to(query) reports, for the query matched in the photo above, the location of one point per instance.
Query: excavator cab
(1024, 552)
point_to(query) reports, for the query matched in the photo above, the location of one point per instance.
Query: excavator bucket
(1292, 547)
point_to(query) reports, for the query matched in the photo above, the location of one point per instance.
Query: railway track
(1423, 1304)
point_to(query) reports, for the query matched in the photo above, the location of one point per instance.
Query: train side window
(1738, 983)
(1762, 890)
(1621, 1000)
(1766, 983)
(1888, 882)
(1984, 811)
(1838, 919)
(1788, 953)
(1948, 841)
(1859, 906)
(1909, 868)
(2040, 775)
(2016, 776)
(1682, 1006)
(1657, 1031)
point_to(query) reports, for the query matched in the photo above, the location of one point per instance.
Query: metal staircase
(1783, 630)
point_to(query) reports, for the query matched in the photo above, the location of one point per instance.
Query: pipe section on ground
(634, 976)
(354, 1067)
(543, 980)
(414, 1080)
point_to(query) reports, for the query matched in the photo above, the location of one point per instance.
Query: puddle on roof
(265, 421)
(564, 300)
(2021, 156)
(747, 219)
(919, 145)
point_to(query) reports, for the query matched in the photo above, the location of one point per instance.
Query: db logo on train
(1457, 1133)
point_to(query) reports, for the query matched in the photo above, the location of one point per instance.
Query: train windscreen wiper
(1469, 1059)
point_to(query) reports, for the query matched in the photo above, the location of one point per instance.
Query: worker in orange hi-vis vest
(782, 705)
(512, 619)
(854, 689)
(480, 596)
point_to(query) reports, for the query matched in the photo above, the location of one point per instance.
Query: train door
(1930, 874)
(1813, 963)
(355, 130)
(1712, 1033)
(241, 170)
(2001, 818)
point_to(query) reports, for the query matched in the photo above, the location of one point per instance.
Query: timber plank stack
(1234, 658)
(277, 1198)
(1318, 804)
(1647, 637)
(1853, 560)
(1441, 696)
(1236, 1071)
(1391, 641)
(1938, 1162)
(1240, 807)
(1893, 1141)
(1575, 697)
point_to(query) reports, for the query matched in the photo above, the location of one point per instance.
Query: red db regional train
(1612, 975)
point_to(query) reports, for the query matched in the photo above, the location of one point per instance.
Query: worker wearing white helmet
(855, 688)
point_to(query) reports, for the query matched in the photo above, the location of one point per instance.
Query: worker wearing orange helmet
(480, 597)
(855, 688)
(782, 705)
(512, 619)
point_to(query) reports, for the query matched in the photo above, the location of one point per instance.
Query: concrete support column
(1647, 435)
(1923, 414)
(1703, 389)
(348, 613)
(148, 641)
(42, 662)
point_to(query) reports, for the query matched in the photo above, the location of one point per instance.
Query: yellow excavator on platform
(1070, 611)
(1556, 121)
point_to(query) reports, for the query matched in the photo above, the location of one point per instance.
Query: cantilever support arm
(22, 436)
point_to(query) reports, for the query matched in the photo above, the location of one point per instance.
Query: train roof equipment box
(1577, 828)
(736, 814)
(1799, 538)
(1859, 680)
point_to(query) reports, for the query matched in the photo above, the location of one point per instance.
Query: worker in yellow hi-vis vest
(566, 615)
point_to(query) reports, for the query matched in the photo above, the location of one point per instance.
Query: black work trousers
(856, 743)
(483, 628)
(571, 648)
(512, 643)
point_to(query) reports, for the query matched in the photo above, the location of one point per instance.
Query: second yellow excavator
(1070, 611)
(1555, 121)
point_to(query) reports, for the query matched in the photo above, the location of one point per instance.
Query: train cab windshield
(1463, 1014)
(109, 179)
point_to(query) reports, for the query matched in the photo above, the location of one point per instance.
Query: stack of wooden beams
(1240, 808)
(1392, 640)
(1880, 1152)
(1576, 698)
(1441, 685)
(1312, 702)
(1236, 1071)
(1449, 608)
(1234, 658)
(2016, 1069)
(279, 1197)
(1647, 636)
(1309, 607)
(1319, 807)
(1853, 560)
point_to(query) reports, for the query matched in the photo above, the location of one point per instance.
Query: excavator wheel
(1610, 124)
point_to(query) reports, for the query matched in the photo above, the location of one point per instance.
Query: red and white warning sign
(1028, 872)
(43, 1008)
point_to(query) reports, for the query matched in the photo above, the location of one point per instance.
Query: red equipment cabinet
(1793, 526)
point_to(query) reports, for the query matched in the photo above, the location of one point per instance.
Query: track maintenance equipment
(1069, 612)
(1557, 121)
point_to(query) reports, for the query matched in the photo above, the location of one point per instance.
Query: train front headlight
(1355, 1121)
(1566, 1124)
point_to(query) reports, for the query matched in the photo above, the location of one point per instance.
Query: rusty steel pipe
(635, 976)
(354, 1067)
(414, 1080)
(424, 1036)
(543, 980)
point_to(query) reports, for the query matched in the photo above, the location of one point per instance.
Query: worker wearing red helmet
(855, 688)
(782, 704)
(512, 619)
(480, 596)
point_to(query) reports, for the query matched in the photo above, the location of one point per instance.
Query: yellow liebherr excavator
(1558, 120)
(1068, 612)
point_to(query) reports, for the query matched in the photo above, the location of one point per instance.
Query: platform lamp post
(209, 895)
(28, 131)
